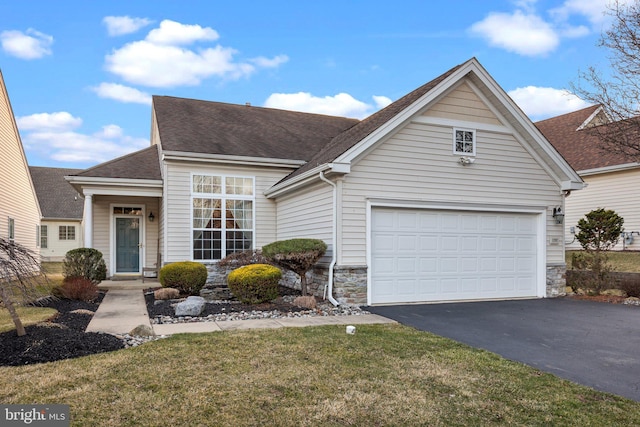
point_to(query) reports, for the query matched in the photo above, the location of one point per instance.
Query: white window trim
(473, 142)
(224, 197)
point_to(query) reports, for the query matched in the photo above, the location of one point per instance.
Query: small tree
(599, 231)
(297, 255)
(19, 273)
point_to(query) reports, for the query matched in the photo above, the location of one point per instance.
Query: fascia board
(607, 169)
(237, 160)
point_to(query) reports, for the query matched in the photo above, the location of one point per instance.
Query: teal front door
(127, 245)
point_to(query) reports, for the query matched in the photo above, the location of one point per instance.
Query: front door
(128, 245)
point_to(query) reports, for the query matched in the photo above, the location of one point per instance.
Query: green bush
(240, 259)
(255, 283)
(76, 288)
(297, 255)
(85, 262)
(630, 286)
(187, 276)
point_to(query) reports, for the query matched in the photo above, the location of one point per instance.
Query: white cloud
(381, 101)
(29, 45)
(544, 102)
(56, 136)
(342, 104)
(59, 122)
(122, 93)
(524, 34)
(121, 25)
(592, 10)
(162, 60)
(174, 33)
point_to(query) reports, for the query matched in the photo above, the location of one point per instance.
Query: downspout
(334, 256)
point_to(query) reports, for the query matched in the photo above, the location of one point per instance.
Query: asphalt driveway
(590, 343)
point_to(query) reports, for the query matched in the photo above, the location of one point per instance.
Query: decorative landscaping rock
(192, 306)
(166, 293)
(142, 331)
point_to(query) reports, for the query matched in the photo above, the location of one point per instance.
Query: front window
(222, 212)
(67, 232)
(464, 142)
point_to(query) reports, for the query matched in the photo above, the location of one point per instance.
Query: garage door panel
(427, 255)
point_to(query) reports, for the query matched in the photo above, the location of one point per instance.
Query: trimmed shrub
(297, 255)
(255, 283)
(76, 288)
(240, 259)
(85, 262)
(187, 276)
(630, 286)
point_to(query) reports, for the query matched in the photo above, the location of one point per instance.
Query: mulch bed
(165, 307)
(611, 299)
(62, 337)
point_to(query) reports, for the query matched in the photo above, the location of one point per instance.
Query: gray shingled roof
(143, 164)
(57, 198)
(582, 148)
(190, 125)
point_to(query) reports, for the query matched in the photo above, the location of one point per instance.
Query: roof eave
(307, 177)
(227, 159)
(608, 169)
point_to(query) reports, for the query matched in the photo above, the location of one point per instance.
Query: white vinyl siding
(102, 230)
(416, 164)
(177, 217)
(618, 191)
(307, 214)
(464, 105)
(17, 196)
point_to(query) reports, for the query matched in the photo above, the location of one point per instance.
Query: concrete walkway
(123, 308)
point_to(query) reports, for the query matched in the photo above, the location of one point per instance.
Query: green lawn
(28, 316)
(317, 376)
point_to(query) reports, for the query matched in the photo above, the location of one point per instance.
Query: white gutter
(328, 290)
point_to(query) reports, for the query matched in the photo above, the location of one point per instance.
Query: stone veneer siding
(556, 280)
(349, 282)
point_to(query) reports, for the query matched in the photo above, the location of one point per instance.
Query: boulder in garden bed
(192, 306)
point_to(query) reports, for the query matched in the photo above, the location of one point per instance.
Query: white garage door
(421, 255)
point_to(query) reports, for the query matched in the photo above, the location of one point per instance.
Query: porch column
(88, 221)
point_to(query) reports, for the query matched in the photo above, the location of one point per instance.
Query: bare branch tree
(618, 93)
(20, 275)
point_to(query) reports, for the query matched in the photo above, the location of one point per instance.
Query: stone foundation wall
(556, 280)
(349, 282)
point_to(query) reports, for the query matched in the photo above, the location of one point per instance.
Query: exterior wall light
(151, 217)
(558, 214)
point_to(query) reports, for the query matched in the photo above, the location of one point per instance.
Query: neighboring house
(612, 179)
(446, 194)
(61, 206)
(19, 210)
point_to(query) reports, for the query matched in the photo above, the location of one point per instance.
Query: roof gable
(58, 199)
(353, 143)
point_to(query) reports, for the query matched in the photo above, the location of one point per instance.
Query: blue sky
(80, 74)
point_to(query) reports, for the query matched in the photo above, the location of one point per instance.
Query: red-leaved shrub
(77, 288)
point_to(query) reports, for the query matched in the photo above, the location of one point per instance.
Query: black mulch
(63, 337)
(165, 307)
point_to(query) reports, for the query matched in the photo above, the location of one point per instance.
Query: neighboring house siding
(17, 196)
(177, 217)
(102, 231)
(307, 214)
(417, 164)
(618, 191)
(56, 248)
